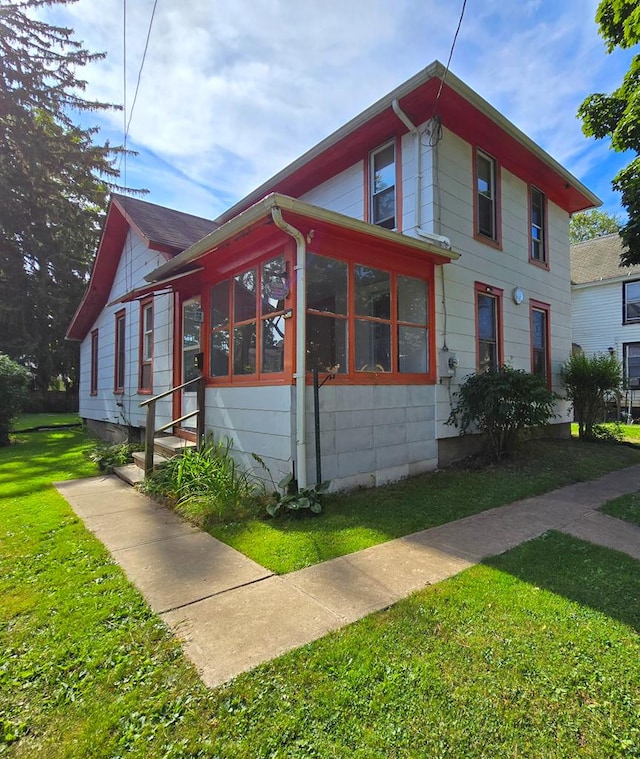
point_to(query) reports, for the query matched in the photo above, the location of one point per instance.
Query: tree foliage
(617, 115)
(589, 380)
(53, 187)
(14, 383)
(501, 403)
(595, 223)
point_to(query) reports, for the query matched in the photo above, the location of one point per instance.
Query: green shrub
(207, 485)
(590, 380)
(500, 403)
(110, 455)
(14, 386)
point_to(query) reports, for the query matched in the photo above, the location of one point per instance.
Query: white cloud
(234, 90)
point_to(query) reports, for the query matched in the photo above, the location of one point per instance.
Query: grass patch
(357, 520)
(625, 507)
(534, 654)
(31, 421)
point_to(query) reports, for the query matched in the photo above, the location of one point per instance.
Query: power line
(446, 70)
(144, 55)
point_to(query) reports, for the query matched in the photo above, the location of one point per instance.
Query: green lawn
(364, 518)
(29, 421)
(625, 507)
(535, 654)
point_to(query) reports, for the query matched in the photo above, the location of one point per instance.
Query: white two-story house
(424, 240)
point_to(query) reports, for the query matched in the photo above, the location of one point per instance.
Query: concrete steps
(165, 447)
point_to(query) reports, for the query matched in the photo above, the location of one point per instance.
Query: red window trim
(497, 242)
(259, 377)
(93, 377)
(498, 293)
(117, 388)
(141, 361)
(536, 305)
(542, 264)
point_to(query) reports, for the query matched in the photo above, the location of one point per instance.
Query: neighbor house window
(631, 358)
(486, 207)
(119, 374)
(94, 363)
(631, 302)
(538, 221)
(540, 357)
(364, 319)
(488, 326)
(383, 186)
(146, 347)
(247, 322)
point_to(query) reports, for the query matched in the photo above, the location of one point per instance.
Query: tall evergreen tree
(54, 181)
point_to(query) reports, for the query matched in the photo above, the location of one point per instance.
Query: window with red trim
(538, 225)
(94, 363)
(145, 380)
(488, 326)
(362, 319)
(120, 355)
(540, 354)
(487, 197)
(247, 322)
(382, 192)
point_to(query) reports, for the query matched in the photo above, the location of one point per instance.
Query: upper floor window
(94, 363)
(537, 217)
(247, 321)
(631, 359)
(363, 319)
(631, 302)
(486, 209)
(146, 347)
(488, 326)
(120, 354)
(540, 358)
(383, 186)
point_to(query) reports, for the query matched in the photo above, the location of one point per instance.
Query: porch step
(158, 460)
(132, 474)
(171, 445)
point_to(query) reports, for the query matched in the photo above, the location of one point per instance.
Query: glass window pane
(372, 292)
(219, 363)
(384, 169)
(413, 354)
(326, 284)
(539, 319)
(145, 376)
(486, 317)
(485, 178)
(275, 285)
(487, 355)
(244, 296)
(633, 291)
(244, 349)
(373, 346)
(326, 344)
(384, 208)
(485, 216)
(220, 304)
(412, 300)
(273, 344)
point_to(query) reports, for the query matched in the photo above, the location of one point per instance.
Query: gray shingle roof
(164, 226)
(599, 259)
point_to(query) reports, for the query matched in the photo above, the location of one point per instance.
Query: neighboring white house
(605, 312)
(422, 241)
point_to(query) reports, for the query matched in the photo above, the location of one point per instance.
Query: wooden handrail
(150, 430)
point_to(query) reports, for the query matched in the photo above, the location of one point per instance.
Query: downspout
(301, 341)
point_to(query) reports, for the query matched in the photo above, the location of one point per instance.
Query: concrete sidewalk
(232, 614)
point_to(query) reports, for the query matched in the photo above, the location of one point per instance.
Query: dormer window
(383, 186)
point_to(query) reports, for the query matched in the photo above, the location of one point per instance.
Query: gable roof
(598, 260)
(162, 229)
(462, 111)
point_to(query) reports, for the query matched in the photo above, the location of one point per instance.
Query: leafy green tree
(53, 187)
(14, 384)
(617, 115)
(589, 380)
(586, 225)
(501, 403)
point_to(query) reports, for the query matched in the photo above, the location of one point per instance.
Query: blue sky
(233, 90)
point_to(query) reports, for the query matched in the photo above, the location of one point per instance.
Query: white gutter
(301, 342)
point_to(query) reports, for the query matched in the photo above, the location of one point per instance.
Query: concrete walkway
(232, 614)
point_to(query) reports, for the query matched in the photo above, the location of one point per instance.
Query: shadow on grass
(591, 575)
